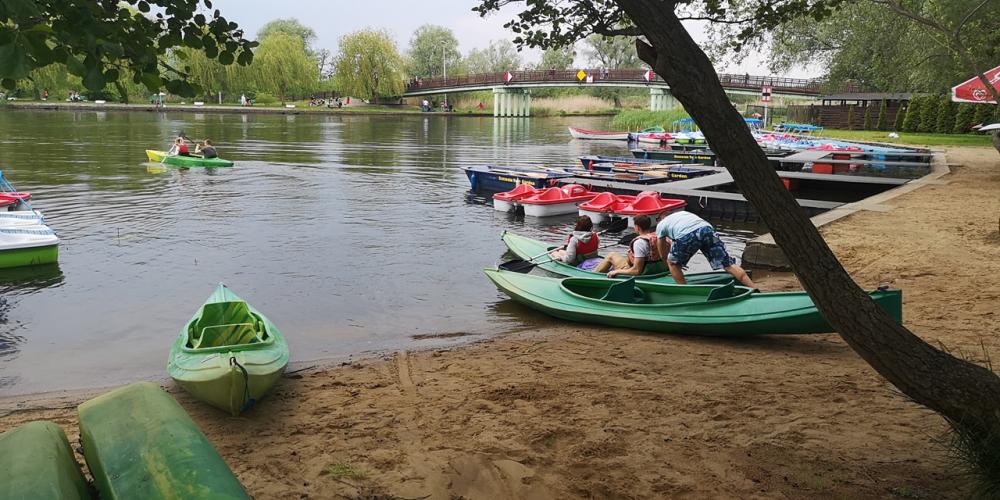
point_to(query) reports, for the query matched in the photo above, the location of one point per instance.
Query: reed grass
(638, 119)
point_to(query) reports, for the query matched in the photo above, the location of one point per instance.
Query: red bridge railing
(729, 81)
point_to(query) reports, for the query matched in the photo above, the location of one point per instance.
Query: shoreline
(576, 411)
(223, 109)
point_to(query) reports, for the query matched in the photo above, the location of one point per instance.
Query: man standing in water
(681, 234)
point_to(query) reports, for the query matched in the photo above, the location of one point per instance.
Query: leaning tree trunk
(963, 392)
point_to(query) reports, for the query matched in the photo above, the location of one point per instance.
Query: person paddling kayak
(206, 149)
(643, 256)
(682, 234)
(581, 245)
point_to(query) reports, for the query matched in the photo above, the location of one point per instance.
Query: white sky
(332, 19)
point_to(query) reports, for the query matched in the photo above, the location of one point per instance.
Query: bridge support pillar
(511, 101)
(660, 100)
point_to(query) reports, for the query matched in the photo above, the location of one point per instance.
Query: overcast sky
(332, 19)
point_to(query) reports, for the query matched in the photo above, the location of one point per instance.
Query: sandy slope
(597, 413)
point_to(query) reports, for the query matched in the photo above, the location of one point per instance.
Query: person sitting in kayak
(581, 245)
(643, 255)
(206, 149)
(179, 149)
(682, 234)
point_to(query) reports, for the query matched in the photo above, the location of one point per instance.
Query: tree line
(923, 114)
(287, 65)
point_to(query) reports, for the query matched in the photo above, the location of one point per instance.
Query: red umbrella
(973, 90)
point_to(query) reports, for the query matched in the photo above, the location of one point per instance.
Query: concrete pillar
(660, 99)
(527, 106)
(496, 103)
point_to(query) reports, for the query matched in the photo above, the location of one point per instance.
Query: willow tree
(283, 67)
(964, 393)
(368, 65)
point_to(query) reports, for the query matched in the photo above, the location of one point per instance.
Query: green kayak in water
(229, 355)
(186, 161)
(725, 310)
(527, 248)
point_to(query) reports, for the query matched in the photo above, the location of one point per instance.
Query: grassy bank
(910, 138)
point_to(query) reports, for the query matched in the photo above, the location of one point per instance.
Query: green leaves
(93, 78)
(14, 64)
(96, 40)
(368, 65)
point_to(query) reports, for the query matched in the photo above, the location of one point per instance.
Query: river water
(352, 233)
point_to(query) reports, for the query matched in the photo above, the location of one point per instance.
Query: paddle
(523, 266)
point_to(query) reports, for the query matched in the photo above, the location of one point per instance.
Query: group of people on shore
(205, 149)
(667, 246)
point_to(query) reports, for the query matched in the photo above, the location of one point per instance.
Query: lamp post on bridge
(444, 68)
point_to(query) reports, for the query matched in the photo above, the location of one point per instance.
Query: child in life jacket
(643, 256)
(581, 245)
(180, 148)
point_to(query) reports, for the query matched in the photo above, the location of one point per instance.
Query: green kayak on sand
(36, 462)
(139, 443)
(186, 161)
(526, 248)
(725, 310)
(229, 355)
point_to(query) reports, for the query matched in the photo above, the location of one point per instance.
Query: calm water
(353, 234)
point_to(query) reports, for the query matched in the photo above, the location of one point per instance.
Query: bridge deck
(598, 77)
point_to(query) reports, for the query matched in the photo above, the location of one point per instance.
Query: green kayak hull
(36, 462)
(139, 443)
(186, 161)
(676, 308)
(215, 373)
(526, 248)
(20, 257)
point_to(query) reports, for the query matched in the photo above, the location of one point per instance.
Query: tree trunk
(122, 92)
(962, 392)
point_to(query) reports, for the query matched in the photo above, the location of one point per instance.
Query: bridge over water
(512, 90)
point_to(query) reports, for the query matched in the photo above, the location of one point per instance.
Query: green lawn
(910, 138)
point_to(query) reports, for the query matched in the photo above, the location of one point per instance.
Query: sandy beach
(587, 412)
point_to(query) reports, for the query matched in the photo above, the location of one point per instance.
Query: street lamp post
(444, 70)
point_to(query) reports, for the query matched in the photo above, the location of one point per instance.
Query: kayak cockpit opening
(633, 292)
(223, 324)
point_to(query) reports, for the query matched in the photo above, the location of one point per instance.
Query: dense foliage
(500, 55)
(103, 41)
(432, 48)
(368, 65)
(868, 43)
(283, 67)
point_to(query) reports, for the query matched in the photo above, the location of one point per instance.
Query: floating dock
(708, 197)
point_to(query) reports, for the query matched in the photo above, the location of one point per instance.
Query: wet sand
(584, 412)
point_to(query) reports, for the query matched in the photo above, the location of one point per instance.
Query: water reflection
(353, 233)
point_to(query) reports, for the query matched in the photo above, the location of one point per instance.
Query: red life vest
(182, 149)
(584, 248)
(654, 253)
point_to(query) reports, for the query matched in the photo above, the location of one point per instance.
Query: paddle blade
(517, 266)
(627, 238)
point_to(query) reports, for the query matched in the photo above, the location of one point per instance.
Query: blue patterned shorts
(704, 239)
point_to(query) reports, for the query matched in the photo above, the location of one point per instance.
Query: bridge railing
(731, 81)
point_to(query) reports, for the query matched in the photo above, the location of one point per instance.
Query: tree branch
(719, 20)
(630, 31)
